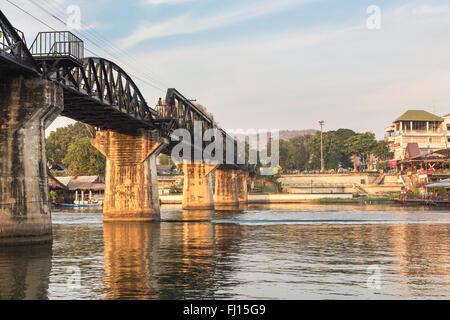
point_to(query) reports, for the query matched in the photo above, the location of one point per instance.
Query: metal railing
(58, 44)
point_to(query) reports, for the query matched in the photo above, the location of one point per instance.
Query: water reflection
(256, 254)
(422, 258)
(25, 272)
(351, 207)
(130, 259)
(308, 261)
(189, 215)
(243, 207)
(227, 207)
(173, 260)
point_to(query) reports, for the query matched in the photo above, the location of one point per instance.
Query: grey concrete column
(197, 187)
(27, 107)
(131, 181)
(226, 193)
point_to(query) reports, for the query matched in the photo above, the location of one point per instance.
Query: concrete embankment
(361, 183)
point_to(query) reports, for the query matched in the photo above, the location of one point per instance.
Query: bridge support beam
(226, 193)
(197, 187)
(131, 182)
(27, 108)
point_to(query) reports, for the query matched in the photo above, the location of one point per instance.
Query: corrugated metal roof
(54, 181)
(83, 182)
(442, 184)
(64, 180)
(418, 115)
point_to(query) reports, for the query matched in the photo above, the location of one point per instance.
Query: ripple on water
(315, 252)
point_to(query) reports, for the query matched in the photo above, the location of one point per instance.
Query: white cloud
(187, 24)
(349, 75)
(424, 10)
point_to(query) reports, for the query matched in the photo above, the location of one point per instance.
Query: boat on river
(68, 205)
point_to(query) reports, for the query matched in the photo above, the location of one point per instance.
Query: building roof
(442, 184)
(83, 182)
(418, 115)
(55, 183)
(64, 180)
(412, 150)
(442, 154)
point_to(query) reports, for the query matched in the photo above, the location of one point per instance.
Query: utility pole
(322, 162)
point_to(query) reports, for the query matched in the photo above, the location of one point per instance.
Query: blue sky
(274, 64)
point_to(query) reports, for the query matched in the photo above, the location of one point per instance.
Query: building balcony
(423, 133)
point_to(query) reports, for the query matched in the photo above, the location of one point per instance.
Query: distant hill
(289, 134)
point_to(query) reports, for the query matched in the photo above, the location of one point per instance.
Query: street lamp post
(322, 162)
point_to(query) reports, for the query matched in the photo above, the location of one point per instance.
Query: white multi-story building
(429, 131)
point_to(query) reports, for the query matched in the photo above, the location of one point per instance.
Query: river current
(264, 252)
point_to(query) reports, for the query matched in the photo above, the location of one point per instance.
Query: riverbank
(273, 198)
(358, 200)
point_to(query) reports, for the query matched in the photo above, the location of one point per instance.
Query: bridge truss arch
(99, 85)
(97, 91)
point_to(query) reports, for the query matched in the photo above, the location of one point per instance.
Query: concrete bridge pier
(27, 108)
(242, 189)
(197, 187)
(226, 190)
(131, 183)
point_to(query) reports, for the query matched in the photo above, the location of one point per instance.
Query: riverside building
(418, 130)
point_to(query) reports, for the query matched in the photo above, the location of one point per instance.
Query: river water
(265, 252)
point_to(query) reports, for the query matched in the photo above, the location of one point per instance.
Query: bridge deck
(92, 111)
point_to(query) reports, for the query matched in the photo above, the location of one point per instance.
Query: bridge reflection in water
(252, 255)
(25, 272)
(173, 260)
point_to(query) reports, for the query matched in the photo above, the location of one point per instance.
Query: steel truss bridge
(97, 91)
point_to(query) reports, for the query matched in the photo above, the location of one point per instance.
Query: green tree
(342, 135)
(352, 147)
(331, 153)
(57, 144)
(83, 159)
(361, 145)
(335, 154)
(382, 151)
(295, 153)
(368, 145)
